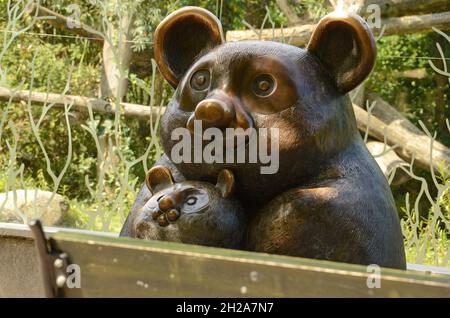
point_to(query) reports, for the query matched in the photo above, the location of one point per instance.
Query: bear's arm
(144, 195)
(325, 222)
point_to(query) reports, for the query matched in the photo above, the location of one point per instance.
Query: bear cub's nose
(166, 203)
(166, 211)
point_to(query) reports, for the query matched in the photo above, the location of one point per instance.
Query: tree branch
(82, 104)
(299, 35)
(62, 22)
(289, 12)
(410, 140)
(396, 8)
(392, 127)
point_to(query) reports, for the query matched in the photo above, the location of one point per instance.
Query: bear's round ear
(225, 183)
(181, 37)
(345, 45)
(158, 178)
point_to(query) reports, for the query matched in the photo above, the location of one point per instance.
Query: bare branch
(300, 34)
(62, 22)
(410, 143)
(82, 103)
(289, 12)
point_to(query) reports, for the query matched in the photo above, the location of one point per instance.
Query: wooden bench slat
(122, 267)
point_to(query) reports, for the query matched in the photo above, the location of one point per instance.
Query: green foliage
(420, 98)
(426, 234)
(416, 98)
(314, 8)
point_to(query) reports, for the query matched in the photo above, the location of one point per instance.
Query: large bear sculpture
(328, 199)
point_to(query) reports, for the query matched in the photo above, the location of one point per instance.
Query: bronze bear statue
(328, 199)
(192, 212)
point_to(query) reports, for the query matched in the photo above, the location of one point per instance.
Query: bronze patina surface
(329, 199)
(192, 212)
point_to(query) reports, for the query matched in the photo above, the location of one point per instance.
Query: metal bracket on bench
(53, 262)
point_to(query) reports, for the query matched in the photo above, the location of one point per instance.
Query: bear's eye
(191, 200)
(200, 80)
(263, 85)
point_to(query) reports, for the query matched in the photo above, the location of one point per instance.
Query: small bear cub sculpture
(191, 212)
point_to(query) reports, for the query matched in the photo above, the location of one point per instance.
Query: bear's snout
(166, 203)
(214, 112)
(166, 211)
(219, 110)
(164, 218)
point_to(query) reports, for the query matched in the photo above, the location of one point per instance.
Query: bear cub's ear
(345, 45)
(225, 183)
(182, 37)
(158, 178)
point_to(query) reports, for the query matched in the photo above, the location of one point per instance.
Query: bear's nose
(166, 203)
(213, 113)
(211, 110)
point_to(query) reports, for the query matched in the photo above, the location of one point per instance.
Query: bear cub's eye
(263, 85)
(191, 200)
(200, 80)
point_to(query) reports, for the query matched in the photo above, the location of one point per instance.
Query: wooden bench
(123, 267)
